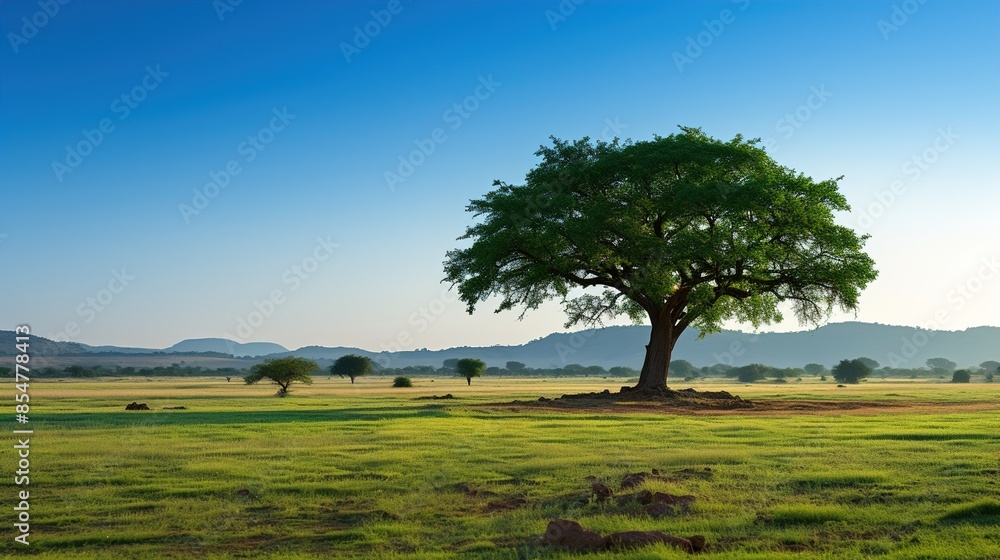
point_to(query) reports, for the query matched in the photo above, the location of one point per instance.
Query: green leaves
(683, 228)
(283, 372)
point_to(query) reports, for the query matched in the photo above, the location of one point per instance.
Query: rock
(600, 490)
(697, 543)
(645, 497)
(636, 539)
(137, 406)
(572, 535)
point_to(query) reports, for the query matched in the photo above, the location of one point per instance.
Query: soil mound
(684, 398)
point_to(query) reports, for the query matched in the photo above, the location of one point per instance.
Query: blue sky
(125, 235)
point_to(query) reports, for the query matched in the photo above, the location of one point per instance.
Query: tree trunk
(352, 380)
(662, 337)
(469, 379)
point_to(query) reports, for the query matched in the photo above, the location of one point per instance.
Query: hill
(894, 346)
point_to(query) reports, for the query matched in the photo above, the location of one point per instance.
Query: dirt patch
(759, 407)
(685, 398)
(572, 535)
(506, 505)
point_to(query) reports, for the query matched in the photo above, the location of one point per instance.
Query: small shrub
(989, 378)
(961, 376)
(822, 378)
(402, 382)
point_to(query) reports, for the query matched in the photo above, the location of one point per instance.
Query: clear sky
(174, 170)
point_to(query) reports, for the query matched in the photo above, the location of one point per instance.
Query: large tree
(682, 231)
(351, 366)
(283, 372)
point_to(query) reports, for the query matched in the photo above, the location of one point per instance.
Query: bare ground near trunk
(691, 402)
(684, 398)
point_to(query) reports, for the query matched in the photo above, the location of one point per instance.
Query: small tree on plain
(942, 363)
(869, 362)
(515, 367)
(851, 371)
(750, 373)
(283, 372)
(352, 366)
(961, 376)
(402, 381)
(470, 367)
(815, 369)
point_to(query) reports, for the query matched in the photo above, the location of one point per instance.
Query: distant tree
(683, 368)
(815, 369)
(515, 367)
(402, 381)
(621, 371)
(872, 364)
(283, 372)
(352, 366)
(750, 373)
(470, 367)
(451, 363)
(942, 363)
(989, 378)
(683, 231)
(77, 371)
(717, 369)
(961, 376)
(851, 371)
(6, 372)
(991, 366)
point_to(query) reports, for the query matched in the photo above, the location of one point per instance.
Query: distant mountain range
(619, 346)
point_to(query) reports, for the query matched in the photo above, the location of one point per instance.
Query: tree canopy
(470, 367)
(683, 230)
(283, 372)
(851, 371)
(941, 363)
(352, 366)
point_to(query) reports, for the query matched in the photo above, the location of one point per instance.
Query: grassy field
(367, 471)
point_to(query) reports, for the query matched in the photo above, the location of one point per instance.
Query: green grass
(367, 471)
